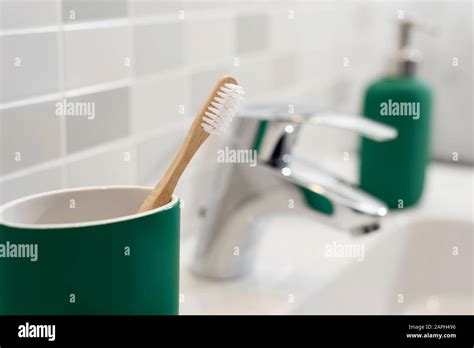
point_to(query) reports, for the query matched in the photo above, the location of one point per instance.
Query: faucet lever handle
(311, 115)
(363, 126)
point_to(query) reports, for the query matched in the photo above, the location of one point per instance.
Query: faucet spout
(278, 183)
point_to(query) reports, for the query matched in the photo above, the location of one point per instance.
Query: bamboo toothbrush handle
(164, 189)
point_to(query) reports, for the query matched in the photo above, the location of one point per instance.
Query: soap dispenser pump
(394, 171)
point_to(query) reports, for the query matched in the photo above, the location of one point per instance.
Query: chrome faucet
(243, 194)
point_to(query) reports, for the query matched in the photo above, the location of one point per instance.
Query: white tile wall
(90, 10)
(156, 153)
(147, 65)
(110, 167)
(199, 81)
(255, 74)
(283, 33)
(94, 56)
(144, 8)
(110, 121)
(158, 47)
(26, 184)
(252, 33)
(29, 135)
(28, 13)
(208, 40)
(29, 66)
(284, 71)
(160, 102)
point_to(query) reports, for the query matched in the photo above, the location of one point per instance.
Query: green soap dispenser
(394, 171)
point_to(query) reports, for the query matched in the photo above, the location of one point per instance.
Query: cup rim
(11, 204)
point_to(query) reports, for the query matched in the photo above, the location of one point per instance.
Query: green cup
(86, 251)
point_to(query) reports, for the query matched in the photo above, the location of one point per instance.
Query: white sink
(425, 268)
(419, 262)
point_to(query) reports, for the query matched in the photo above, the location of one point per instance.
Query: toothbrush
(213, 118)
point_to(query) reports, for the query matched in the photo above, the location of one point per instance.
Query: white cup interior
(77, 207)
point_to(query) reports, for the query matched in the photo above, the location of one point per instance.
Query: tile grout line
(132, 20)
(133, 139)
(61, 85)
(115, 84)
(29, 30)
(91, 89)
(131, 89)
(105, 23)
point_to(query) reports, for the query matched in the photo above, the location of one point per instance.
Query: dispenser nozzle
(406, 57)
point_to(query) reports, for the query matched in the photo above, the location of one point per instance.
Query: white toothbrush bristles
(222, 109)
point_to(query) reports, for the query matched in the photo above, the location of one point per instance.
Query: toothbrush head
(222, 107)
